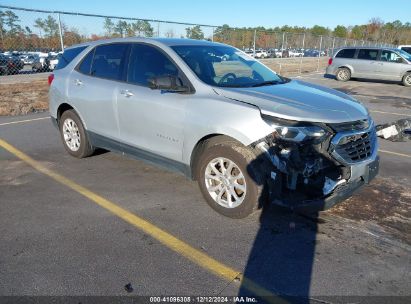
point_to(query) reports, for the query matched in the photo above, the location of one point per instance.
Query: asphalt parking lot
(91, 226)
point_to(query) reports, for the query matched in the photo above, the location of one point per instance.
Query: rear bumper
(330, 70)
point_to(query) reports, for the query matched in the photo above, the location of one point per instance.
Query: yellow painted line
(167, 239)
(22, 121)
(399, 114)
(395, 153)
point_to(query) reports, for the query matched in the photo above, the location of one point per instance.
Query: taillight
(330, 61)
(51, 77)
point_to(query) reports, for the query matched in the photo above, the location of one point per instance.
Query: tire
(249, 188)
(74, 136)
(343, 74)
(406, 80)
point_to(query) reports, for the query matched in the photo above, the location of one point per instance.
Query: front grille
(357, 125)
(355, 148)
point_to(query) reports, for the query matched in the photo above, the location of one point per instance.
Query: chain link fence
(31, 40)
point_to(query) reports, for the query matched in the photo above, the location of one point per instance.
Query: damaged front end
(314, 166)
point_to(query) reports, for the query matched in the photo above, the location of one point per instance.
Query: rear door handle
(78, 82)
(126, 93)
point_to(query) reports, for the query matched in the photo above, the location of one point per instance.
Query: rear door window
(368, 54)
(109, 61)
(68, 56)
(346, 53)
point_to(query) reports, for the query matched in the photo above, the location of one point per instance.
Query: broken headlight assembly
(297, 132)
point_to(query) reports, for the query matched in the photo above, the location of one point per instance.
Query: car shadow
(282, 256)
(99, 151)
(330, 76)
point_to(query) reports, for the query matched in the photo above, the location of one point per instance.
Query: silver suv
(246, 134)
(371, 63)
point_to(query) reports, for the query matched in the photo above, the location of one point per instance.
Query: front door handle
(126, 93)
(78, 82)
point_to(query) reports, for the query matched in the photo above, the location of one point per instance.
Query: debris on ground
(128, 287)
(399, 130)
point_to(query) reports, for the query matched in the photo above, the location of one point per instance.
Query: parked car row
(284, 53)
(14, 62)
(10, 64)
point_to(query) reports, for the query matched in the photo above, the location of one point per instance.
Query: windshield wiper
(266, 83)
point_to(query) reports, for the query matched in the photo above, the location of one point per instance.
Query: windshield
(405, 55)
(225, 66)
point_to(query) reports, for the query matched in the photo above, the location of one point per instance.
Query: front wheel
(343, 74)
(228, 179)
(74, 135)
(406, 80)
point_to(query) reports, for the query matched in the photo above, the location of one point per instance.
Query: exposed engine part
(292, 180)
(312, 167)
(303, 168)
(280, 165)
(399, 130)
(330, 185)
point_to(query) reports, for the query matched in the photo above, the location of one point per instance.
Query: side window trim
(67, 62)
(123, 65)
(181, 74)
(77, 68)
(380, 55)
(357, 50)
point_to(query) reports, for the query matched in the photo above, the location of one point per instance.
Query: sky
(237, 13)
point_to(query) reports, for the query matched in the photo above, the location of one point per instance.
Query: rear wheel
(343, 74)
(229, 180)
(74, 136)
(406, 80)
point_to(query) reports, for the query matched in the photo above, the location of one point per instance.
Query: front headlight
(296, 131)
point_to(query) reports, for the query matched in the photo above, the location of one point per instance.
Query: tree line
(376, 30)
(44, 33)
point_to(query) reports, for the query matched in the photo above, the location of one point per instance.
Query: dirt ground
(23, 98)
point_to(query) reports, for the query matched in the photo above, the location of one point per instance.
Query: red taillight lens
(330, 61)
(51, 77)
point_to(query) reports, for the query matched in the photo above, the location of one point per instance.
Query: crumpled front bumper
(364, 174)
(361, 173)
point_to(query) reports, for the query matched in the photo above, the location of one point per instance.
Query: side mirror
(167, 83)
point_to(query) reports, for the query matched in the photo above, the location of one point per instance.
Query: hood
(301, 101)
